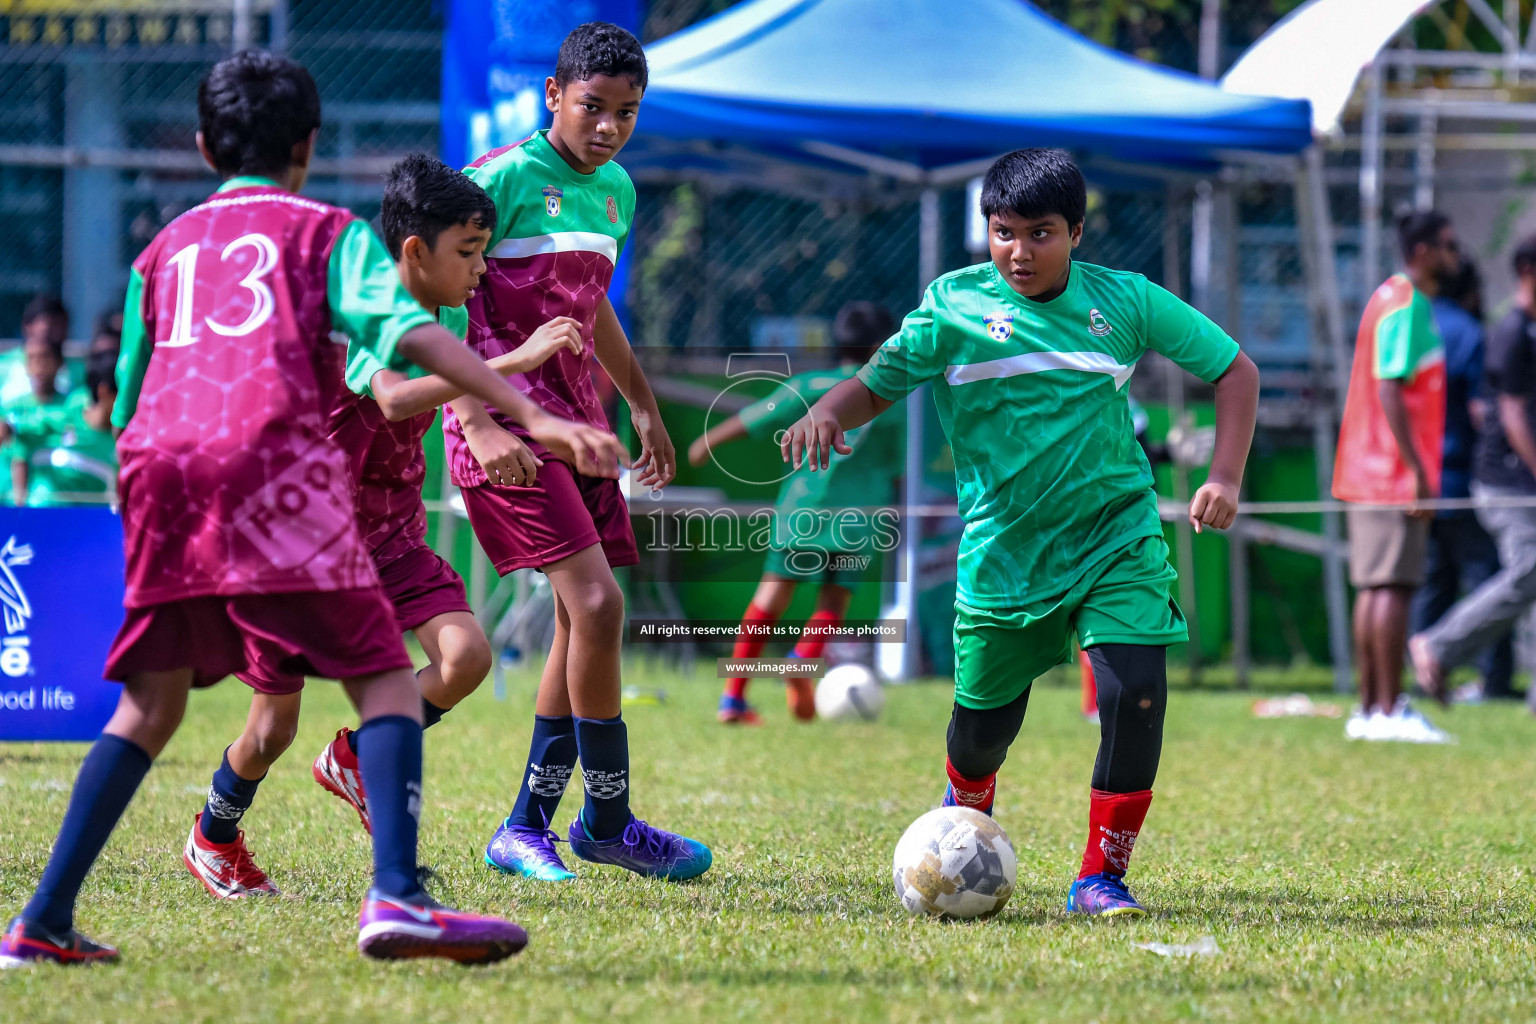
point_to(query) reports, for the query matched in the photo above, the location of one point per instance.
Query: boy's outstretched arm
(1237, 404)
(657, 464)
(400, 398)
(594, 452)
(820, 432)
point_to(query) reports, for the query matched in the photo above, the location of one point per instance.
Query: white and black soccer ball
(955, 862)
(850, 692)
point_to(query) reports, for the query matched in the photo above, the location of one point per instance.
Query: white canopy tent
(1334, 53)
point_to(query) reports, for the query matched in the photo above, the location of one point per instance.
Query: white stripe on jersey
(558, 241)
(1038, 362)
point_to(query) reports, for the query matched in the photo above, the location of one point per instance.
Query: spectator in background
(44, 318)
(1389, 453)
(108, 335)
(63, 445)
(1504, 466)
(1461, 554)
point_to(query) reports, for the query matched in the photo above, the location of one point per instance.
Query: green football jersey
(64, 454)
(1032, 397)
(840, 499)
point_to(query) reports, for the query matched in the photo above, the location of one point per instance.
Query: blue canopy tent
(928, 93)
(886, 83)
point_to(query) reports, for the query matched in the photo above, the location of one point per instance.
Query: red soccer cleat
(25, 944)
(226, 870)
(337, 772)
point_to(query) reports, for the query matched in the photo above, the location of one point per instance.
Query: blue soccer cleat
(645, 850)
(736, 711)
(530, 852)
(1103, 896)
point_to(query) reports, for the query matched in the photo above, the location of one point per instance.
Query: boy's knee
(466, 664)
(601, 604)
(979, 739)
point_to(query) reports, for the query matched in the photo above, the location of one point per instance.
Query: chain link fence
(97, 147)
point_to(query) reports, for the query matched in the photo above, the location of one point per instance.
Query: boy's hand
(698, 452)
(1422, 491)
(657, 465)
(560, 333)
(505, 459)
(593, 452)
(812, 439)
(1214, 504)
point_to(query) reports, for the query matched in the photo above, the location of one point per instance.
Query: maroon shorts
(336, 634)
(421, 586)
(561, 514)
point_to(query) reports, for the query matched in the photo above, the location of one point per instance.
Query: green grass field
(1341, 882)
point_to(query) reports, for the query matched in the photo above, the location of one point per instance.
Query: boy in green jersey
(1029, 356)
(824, 531)
(60, 443)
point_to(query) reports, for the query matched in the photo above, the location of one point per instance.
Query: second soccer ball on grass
(850, 692)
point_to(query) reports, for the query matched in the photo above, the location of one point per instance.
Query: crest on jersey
(552, 197)
(1097, 325)
(613, 211)
(999, 326)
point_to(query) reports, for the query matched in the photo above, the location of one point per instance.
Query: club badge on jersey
(552, 197)
(999, 326)
(1097, 325)
(613, 211)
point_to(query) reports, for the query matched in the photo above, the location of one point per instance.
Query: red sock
(1090, 685)
(1114, 819)
(818, 628)
(976, 794)
(747, 646)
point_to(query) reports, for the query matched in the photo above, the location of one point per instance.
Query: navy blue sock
(108, 778)
(352, 741)
(551, 759)
(431, 714)
(389, 756)
(604, 747)
(229, 797)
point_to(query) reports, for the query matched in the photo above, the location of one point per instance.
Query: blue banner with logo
(61, 603)
(496, 56)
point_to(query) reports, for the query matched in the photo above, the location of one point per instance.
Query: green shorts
(812, 565)
(1126, 599)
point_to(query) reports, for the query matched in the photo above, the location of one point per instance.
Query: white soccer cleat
(1357, 726)
(1410, 726)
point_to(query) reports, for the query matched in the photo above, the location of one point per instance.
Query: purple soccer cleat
(390, 928)
(25, 943)
(529, 852)
(1103, 896)
(645, 850)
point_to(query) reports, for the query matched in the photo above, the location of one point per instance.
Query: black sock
(351, 735)
(551, 759)
(1133, 696)
(389, 756)
(431, 714)
(229, 797)
(603, 745)
(108, 778)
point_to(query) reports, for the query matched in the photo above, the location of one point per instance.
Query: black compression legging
(1133, 697)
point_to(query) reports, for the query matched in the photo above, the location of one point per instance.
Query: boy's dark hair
(252, 109)
(1524, 260)
(601, 48)
(424, 196)
(1035, 183)
(40, 305)
(100, 368)
(860, 327)
(1421, 227)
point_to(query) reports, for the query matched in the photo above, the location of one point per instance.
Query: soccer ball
(955, 863)
(850, 691)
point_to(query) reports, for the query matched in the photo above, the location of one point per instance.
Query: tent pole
(929, 256)
(1315, 226)
(1184, 553)
(1370, 184)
